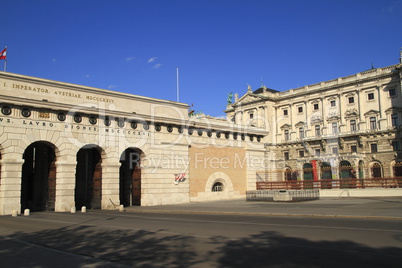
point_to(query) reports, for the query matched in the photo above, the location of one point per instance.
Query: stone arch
(219, 177)
(287, 174)
(396, 167)
(38, 178)
(376, 169)
(130, 177)
(88, 177)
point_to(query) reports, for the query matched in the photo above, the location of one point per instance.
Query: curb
(268, 214)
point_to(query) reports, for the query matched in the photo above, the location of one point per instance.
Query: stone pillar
(10, 186)
(111, 184)
(65, 184)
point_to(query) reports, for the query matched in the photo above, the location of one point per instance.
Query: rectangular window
(394, 120)
(353, 125)
(373, 147)
(333, 103)
(317, 152)
(285, 112)
(317, 131)
(353, 149)
(301, 153)
(316, 106)
(251, 116)
(392, 92)
(370, 96)
(335, 150)
(334, 128)
(373, 123)
(286, 155)
(301, 133)
(286, 135)
(396, 146)
(300, 109)
(351, 100)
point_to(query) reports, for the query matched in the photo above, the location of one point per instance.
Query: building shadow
(270, 249)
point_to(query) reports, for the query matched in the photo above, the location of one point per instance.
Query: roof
(261, 90)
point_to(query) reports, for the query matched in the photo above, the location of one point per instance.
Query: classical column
(10, 186)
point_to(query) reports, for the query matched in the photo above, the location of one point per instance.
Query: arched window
(288, 174)
(217, 187)
(376, 170)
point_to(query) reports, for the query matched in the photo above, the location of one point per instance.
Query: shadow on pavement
(159, 249)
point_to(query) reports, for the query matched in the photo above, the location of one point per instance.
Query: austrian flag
(179, 177)
(3, 54)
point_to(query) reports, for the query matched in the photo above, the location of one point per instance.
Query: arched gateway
(38, 182)
(88, 178)
(130, 178)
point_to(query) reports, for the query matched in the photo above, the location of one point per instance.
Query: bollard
(26, 212)
(73, 209)
(14, 213)
(84, 209)
(121, 208)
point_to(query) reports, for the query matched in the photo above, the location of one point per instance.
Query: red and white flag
(180, 177)
(3, 54)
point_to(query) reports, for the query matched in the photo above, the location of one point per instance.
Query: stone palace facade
(65, 146)
(349, 127)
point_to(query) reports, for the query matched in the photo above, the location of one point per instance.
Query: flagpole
(177, 85)
(5, 65)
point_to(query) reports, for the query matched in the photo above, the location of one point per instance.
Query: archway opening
(130, 178)
(38, 181)
(88, 178)
(347, 175)
(326, 176)
(376, 170)
(308, 175)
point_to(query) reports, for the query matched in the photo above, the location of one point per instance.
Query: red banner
(315, 174)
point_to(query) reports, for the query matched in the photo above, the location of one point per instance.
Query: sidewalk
(376, 207)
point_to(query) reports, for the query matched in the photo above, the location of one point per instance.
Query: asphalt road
(128, 239)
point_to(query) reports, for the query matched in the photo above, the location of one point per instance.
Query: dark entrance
(326, 176)
(38, 182)
(130, 178)
(308, 176)
(347, 175)
(88, 179)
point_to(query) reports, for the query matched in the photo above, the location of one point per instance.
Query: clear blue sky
(219, 46)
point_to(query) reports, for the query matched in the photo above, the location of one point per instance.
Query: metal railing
(394, 182)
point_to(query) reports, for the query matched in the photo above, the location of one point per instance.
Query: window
(335, 150)
(373, 123)
(286, 155)
(251, 116)
(396, 146)
(394, 120)
(370, 96)
(316, 106)
(217, 187)
(334, 128)
(353, 125)
(351, 100)
(392, 92)
(300, 109)
(285, 112)
(286, 134)
(317, 152)
(301, 133)
(353, 149)
(333, 103)
(301, 153)
(373, 147)
(317, 131)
